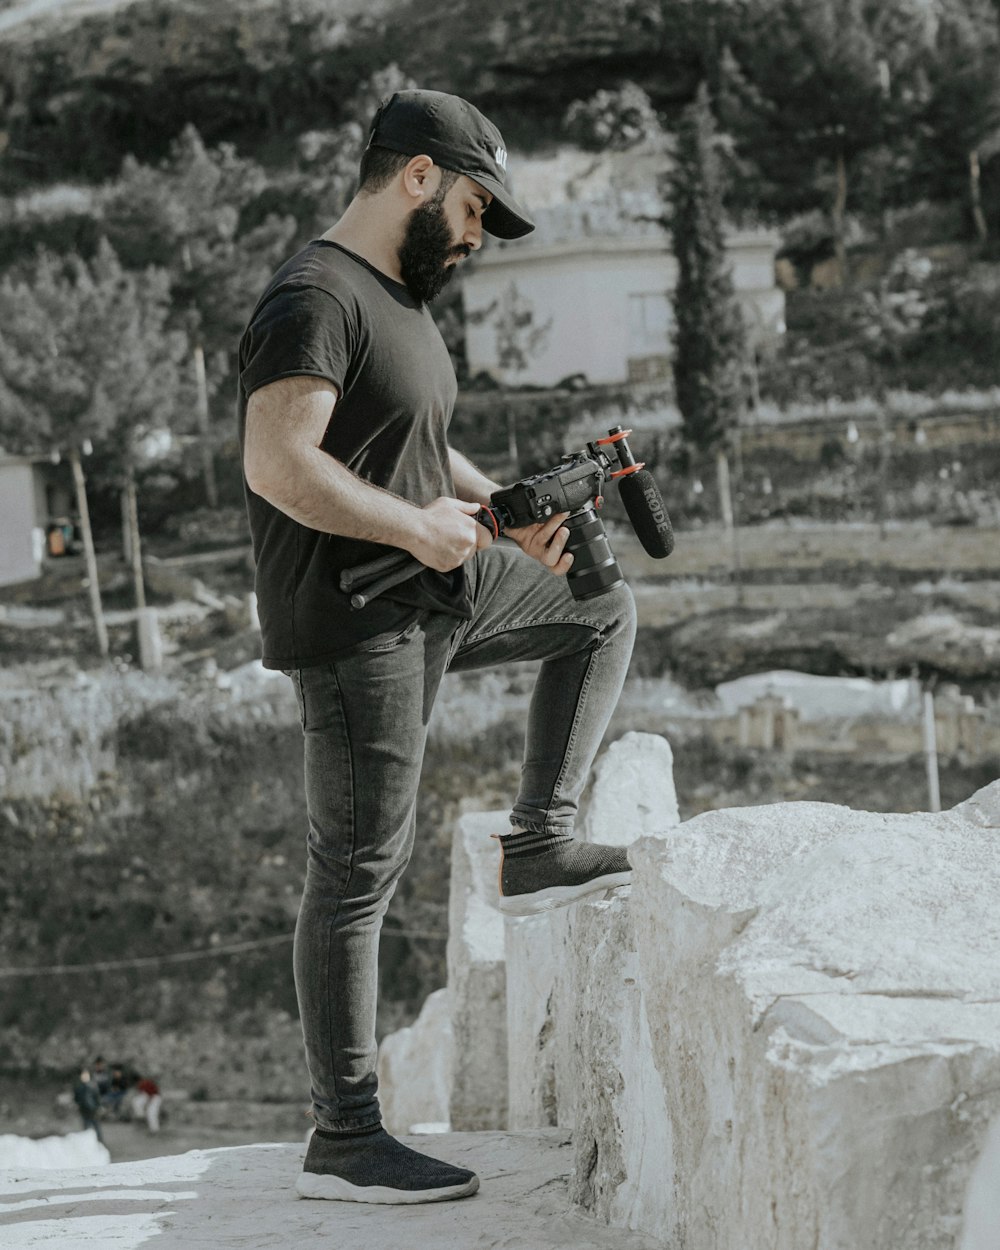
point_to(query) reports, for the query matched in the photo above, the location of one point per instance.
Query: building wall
(19, 557)
(598, 305)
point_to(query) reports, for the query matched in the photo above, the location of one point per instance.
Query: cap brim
(505, 218)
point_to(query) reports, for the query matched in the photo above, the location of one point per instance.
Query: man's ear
(420, 178)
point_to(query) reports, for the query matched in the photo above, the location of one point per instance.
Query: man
(100, 1075)
(346, 390)
(147, 1101)
(115, 1097)
(88, 1100)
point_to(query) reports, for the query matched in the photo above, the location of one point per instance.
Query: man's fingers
(546, 542)
(553, 549)
(550, 527)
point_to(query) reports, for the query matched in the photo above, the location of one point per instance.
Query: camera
(574, 485)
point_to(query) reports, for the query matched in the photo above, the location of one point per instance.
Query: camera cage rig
(577, 479)
(574, 485)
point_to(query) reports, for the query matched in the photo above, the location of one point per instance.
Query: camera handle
(365, 582)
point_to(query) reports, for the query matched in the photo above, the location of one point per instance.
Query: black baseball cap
(456, 136)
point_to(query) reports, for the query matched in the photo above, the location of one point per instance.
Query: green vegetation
(710, 350)
(208, 141)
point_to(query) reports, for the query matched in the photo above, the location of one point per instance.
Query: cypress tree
(709, 335)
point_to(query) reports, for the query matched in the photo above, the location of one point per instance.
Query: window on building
(649, 318)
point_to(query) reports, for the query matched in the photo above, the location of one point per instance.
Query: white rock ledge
(477, 976)
(823, 994)
(784, 1035)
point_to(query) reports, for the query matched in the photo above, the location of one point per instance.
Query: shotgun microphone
(647, 512)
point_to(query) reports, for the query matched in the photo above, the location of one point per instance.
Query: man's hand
(448, 534)
(545, 543)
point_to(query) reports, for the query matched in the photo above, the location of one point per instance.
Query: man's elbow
(259, 475)
(270, 476)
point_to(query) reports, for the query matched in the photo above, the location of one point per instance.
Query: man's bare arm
(470, 484)
(286, 465)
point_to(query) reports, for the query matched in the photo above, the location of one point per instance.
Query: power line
(152, 961)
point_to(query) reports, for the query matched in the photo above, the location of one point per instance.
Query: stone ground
(241, 1198)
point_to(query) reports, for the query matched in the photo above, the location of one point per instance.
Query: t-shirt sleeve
(300, 331)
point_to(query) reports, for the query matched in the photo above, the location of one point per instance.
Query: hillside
(86, 81)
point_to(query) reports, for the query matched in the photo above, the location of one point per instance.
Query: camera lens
(595, 570)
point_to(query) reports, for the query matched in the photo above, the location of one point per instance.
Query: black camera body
(570, 485)
(575, 485)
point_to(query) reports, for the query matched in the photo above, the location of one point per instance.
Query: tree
(709, 337)
(709, 333)
(328, 160)
(616, 118)
(814, 89)
(186, 217)
(962, 108)
(86, 360)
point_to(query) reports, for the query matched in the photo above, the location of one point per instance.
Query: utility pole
(204, 429)
(930, 753)
(89, 554)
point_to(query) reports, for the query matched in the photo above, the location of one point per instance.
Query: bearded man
(346, 391)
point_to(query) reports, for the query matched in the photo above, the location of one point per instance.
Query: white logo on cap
(500, 156)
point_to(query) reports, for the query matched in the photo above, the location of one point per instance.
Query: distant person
(146, 1101)
(88, 1099)
(346, 391)
(117, 1090)
(100, 1075)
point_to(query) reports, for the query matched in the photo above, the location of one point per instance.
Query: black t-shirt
(329, 314)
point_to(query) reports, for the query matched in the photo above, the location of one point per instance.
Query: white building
(591, 291)
(34, 497)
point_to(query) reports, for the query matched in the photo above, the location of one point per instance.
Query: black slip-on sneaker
(538, 881)
(378, 1168)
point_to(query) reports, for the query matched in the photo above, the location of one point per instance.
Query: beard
(426, 248)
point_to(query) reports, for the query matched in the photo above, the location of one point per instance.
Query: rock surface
(622, 1134)
(242, 1198)
(535, 948)
(559, 964)
(65, 1150)
(633, 791)
(414, 1068)
(477, 976)
(823, 993)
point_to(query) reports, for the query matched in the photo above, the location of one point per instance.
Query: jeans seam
(574, 727)
(526, 624)
(347, 884)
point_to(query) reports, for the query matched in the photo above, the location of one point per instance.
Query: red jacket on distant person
(146, 1086)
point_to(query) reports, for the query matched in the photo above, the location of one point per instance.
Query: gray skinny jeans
(364, 718)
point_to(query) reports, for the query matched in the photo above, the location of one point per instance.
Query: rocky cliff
(784, 1033)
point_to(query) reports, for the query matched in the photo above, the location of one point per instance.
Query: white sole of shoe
(560, 895)
(335, 1188)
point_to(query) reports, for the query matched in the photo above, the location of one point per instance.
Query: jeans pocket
(389, 642)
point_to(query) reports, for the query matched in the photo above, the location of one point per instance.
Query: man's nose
(473, 236)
